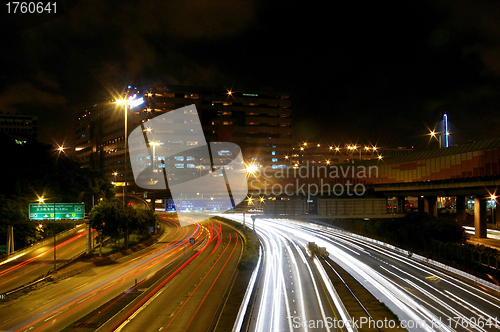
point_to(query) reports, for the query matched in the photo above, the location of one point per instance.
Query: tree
(115, 220)
(108, 218)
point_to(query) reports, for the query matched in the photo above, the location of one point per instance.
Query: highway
(192, 300)
(63, 305)
(423, 297)
(20, 269)
(290, 294)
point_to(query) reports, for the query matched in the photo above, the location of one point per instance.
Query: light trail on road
(57, 306)
(291, 295)
(491, 233)
(424, 297)
(193, 296)
(414, 291)
(22, 269)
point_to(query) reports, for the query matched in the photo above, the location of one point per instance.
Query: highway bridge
(469, 170)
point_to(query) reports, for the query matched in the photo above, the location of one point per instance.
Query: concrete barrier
(23, 251)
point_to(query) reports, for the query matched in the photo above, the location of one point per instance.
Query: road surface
(423, 297)
(21, 269)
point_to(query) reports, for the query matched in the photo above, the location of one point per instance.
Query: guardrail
(43, 242)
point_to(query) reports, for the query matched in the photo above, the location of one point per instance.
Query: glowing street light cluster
(347, 149)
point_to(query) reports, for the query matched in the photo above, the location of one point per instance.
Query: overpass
(472, 169)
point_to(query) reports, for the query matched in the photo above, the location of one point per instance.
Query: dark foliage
(34, 170)
(116, 220)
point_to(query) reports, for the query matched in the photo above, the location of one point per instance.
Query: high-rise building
(258, 121)
(21, 126)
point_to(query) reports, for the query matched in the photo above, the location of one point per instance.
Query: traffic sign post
(72, 211)
(59, 211)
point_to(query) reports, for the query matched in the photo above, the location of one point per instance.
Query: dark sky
(378, 72)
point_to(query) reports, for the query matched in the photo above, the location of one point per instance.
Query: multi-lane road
(180, 284)
(173, 284)
(23, 268)
(423, 297)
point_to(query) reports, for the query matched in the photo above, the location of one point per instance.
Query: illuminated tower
(445, 135)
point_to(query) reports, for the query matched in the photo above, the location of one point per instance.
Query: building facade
(20, 126)
(258, 121)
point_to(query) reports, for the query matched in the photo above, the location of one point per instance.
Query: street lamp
(41, 200)
(251, 169)
(435, 135)
(125, 103)
(493, 198)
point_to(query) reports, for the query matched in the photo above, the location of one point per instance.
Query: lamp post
(153, 163)
(41, 200)
(125, 103)
(434, 134)
(493, 205)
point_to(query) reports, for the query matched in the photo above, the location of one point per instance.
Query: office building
(20, 126)
(258, 121)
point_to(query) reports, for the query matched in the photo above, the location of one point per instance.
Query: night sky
(367, 72)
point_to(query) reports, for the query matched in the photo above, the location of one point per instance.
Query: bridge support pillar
(421, 204)
(480, 216)
(401, 204)
(430, 205)
(461, 206)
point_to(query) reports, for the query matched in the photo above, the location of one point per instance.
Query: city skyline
(372, 75)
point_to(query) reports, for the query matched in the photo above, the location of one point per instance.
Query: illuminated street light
(493, 198)
(435, 135)
(380, 157)
(251, 169)
(124, 102)
(41, 200)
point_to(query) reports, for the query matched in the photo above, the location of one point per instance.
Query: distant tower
(445, 134)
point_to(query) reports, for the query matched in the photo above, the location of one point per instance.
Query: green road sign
(62, 211)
